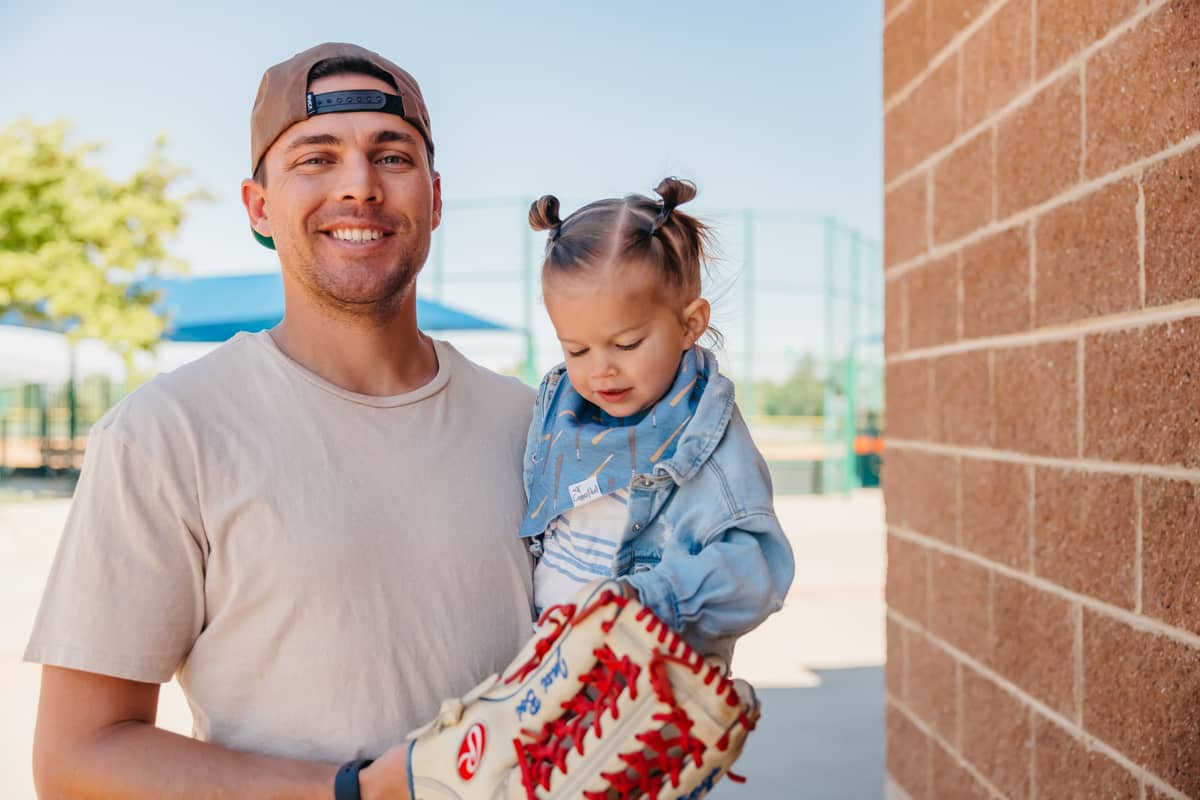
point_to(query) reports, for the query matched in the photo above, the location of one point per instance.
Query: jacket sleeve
(726, 588)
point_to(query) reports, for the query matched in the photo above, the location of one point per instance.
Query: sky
(769, 106)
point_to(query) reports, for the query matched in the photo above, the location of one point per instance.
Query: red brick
(1064, 27)
(948, 17)
(905, 52)
(1172, 191)
(962, 189)
(907, 390)
(1085, 533)
(1087, 256)
(895, 316)
(1066, 770)
(951, 781)
(1140, 696)
(904, 233)
(907, 754)
(896, 667)
(921, 491)
(1170, 557)
(933, 303)
(1038, 147)
(932, 686)
(907, 578)
(923, 122)
(996, 62)
(1036, 399)
(996, 510)
(1141, 89)
(996, 284)
(1035, 642)
(997, 734)
(1142, 394)
(959, 607)
(962, 399)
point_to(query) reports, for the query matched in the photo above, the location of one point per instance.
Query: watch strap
(345, 783)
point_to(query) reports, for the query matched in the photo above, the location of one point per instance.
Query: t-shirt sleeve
(125, 596)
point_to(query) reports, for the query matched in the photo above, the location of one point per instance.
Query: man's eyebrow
(320, 139)
(385, 136)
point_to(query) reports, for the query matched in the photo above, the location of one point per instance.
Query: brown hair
(634, 229)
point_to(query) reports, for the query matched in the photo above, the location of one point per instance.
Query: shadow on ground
(818, 743)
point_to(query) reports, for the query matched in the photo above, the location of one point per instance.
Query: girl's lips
(611, 395)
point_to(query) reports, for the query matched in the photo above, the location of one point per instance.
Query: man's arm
(96, 738)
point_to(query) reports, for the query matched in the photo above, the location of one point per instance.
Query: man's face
(350, 200)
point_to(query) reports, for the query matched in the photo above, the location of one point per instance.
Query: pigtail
(543, 215)
(674, 192)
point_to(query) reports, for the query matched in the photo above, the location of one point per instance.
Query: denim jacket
(702, 544)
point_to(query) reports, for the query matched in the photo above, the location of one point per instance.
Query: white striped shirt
(580, 546)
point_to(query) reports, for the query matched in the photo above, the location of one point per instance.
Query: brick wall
(1042, 476)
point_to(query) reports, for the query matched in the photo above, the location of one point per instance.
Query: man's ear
(255, 201)
(437, 200)
(695, 319)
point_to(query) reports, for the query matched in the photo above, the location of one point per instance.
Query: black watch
(345, 783)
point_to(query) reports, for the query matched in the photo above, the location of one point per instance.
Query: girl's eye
(576, 353)
(630, 346)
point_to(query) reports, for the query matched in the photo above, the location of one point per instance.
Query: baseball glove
(604, 703)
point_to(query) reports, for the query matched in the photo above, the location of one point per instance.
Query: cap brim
(265, 241)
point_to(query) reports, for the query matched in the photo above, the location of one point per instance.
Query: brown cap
(283, 95)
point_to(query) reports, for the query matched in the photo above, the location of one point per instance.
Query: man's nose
(359, 180)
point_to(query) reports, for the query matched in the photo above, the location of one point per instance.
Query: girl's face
(621, 334)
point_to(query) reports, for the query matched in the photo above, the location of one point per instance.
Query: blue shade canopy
(215, 308)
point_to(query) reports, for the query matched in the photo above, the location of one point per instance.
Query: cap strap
(354, 100)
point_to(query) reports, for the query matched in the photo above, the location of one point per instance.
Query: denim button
(637, 526)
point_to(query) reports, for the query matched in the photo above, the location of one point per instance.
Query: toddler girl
(638, 464)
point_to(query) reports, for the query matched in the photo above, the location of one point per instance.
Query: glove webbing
(665, 751)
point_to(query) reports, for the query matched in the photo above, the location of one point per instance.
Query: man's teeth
(356, 234)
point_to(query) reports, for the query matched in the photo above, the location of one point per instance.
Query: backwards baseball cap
(284, 99)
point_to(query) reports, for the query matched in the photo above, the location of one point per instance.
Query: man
(313, 526)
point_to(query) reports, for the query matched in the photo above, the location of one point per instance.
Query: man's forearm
(136, 760)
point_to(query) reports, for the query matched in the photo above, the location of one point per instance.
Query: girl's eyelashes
(632, 346)
(576, 353)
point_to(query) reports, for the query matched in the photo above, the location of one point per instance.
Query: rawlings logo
(470, 752)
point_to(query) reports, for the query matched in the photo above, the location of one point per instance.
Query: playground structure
(784, 286)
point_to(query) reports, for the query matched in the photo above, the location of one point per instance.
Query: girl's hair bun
(543, 214)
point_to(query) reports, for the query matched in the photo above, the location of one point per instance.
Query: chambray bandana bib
(585, 453)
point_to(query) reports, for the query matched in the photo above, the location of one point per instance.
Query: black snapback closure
(353, 100)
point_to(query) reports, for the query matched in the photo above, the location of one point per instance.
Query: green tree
(74, 242)
(802, 394)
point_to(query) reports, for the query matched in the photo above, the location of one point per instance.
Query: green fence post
(531, 374)
(850, 473)
(829, 431)
(748, 394)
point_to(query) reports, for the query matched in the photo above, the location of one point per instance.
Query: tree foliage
(802, 394)
(74, 242)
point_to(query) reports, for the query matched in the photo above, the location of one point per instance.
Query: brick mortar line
(1141, 229)
(897, 11)
(948, 51)
(1123, 321)
(1136, 621)
(1089, 740)
(1076, 464)
(1076, 192)
(892, 790)
(1080, 399)
(1077, 613)
(954, 753)
(1137, 557)
(1073, 63)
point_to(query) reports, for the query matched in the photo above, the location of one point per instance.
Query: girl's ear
(695, 320)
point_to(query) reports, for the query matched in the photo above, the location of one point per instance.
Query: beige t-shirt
(321, 568)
